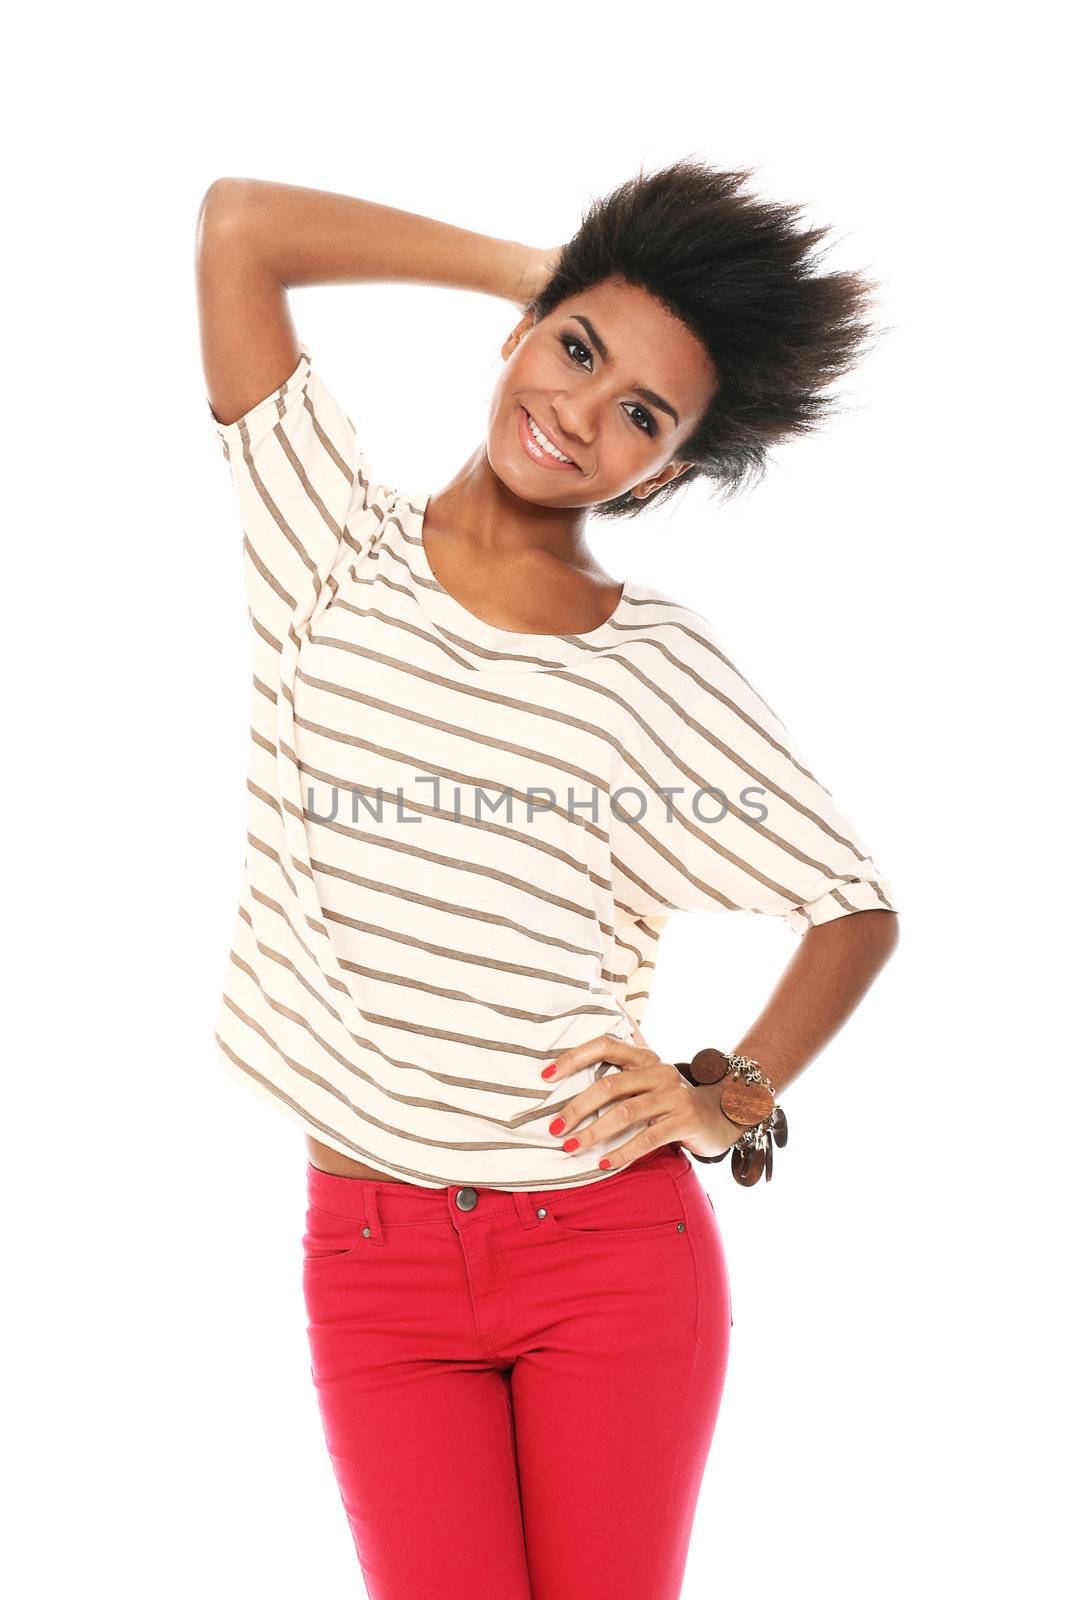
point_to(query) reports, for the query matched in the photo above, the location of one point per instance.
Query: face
(614, 381)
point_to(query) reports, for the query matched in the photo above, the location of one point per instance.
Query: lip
(534, 451)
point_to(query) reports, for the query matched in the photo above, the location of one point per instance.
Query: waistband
(382, 1200)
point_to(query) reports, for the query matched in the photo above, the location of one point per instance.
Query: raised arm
(256, 239)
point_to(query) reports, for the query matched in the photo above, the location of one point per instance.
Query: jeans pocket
(329, 1236)
(633, 1205)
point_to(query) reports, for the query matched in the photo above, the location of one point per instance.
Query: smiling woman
(496, 722)
(737, 272)
(584, 413)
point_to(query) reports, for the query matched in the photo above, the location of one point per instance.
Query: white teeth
(546, 444)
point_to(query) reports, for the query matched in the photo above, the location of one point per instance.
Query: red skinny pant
(518, 1388)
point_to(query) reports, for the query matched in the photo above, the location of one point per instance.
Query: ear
(642, 490)
(517, 334)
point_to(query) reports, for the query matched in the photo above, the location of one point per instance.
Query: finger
(652, 1135)
(605, 1047)
(642, 1145)
(624, 1107)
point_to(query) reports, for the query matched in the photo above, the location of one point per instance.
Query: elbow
(223, 195)
(222, 209)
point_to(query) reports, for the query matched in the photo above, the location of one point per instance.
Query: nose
(573, 421)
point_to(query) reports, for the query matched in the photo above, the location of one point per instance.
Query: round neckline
(448, 605)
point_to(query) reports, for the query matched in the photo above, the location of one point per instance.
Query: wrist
(744, 1119)
(716, 1132)
(512, 270)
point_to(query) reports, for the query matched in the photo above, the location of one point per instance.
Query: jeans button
(467, 1199)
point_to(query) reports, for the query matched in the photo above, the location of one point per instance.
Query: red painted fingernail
(604, 1163)
(557, 1126)
(549, 1070)
(571, 1144)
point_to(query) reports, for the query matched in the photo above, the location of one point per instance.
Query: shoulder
(679, 625)
(647, 603)
(697, 655)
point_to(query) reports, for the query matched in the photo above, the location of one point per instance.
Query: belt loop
(524, 1208)
(370, 1211)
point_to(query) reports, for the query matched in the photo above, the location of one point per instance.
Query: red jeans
(519, 1388)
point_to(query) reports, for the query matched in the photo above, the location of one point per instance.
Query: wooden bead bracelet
(747, 1101)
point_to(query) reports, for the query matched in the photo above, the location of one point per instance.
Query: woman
(482, 775)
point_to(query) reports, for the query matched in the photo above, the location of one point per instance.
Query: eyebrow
(650, 395)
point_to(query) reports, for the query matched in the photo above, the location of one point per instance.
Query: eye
(651, 428)
(567, 341)
(570, 343)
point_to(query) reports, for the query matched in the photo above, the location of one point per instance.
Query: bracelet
(748, 1100)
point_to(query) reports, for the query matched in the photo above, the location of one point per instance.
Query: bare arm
(827, 976)
(255, 240)
(830, 972)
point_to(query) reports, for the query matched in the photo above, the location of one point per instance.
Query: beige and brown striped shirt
(464, 842)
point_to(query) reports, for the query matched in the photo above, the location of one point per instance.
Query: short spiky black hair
(738, 271)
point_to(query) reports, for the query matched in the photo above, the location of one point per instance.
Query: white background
(892, 1404)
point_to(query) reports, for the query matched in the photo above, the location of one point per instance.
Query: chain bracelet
(748, 1101)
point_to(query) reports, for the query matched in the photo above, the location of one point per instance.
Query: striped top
(463, 842)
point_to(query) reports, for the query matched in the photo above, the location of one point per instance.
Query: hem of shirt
(275, 1097)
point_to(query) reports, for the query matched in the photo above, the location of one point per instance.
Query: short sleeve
(737, 821)
(305, 493)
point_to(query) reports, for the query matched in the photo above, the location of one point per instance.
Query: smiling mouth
(546, 444)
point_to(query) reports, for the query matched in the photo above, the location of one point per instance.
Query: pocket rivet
(541, 1212)
(366, 1233)
(681, 1227)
